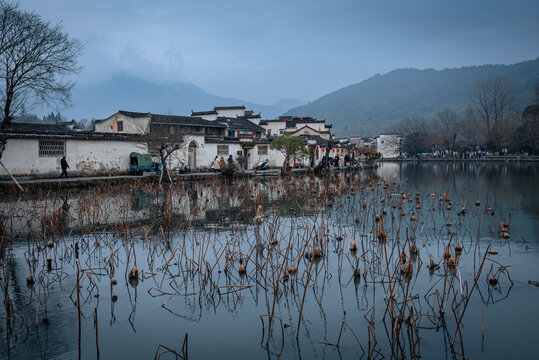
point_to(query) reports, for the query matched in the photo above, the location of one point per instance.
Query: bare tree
(414, 135)
(36, 61)
(526, 136)
(470, 129)
(164, 141)
(493, 103)
(450, 126)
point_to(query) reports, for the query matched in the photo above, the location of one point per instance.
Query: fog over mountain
(127, 92)
(376, 104)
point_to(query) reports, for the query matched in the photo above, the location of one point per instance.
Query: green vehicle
(143, 162)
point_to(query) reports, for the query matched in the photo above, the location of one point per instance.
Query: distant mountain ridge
(126, 92)
(376, 104)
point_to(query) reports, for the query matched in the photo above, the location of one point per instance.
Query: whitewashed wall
(388, 145)
(130, 125)
(232, 113)
(274, 127)
(101, 157)
(318, 126)
(88, 157)
(254, 120)
(305, 130)
(210, 117)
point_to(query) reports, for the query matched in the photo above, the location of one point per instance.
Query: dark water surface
(187, 242)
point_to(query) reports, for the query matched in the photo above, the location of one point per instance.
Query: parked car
(143, 162)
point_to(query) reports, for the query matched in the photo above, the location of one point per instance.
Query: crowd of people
(220, 164)
(342, 161)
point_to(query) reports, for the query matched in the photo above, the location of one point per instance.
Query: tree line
(490, 122)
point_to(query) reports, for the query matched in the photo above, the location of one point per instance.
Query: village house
(296, 126)
(221, 132)
(36, 150)
(388, 145)
(251, 131)
(363, 142)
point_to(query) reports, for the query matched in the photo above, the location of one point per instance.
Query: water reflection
(187, 241)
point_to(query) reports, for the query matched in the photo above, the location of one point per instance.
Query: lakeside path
(509, 158)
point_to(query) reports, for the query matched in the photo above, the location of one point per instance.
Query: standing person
(341, 161)
(347, 159)
(214, 163)
(222, 163)
(239, 159)
(230, 161)
(336, 161)
(65, 166)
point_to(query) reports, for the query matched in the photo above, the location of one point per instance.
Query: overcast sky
(262, 51)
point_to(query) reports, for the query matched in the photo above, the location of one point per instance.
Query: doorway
(192, 158)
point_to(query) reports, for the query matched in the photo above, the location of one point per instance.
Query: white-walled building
(124, 122)
(363, 142)
(36, 150)
(296, 126)
(388, 145)
(221, 132)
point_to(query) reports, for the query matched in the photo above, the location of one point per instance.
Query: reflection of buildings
(191, 202)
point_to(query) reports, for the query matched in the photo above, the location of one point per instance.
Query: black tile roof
(183, 121)
(54, 131)
(37, 128)
(133, 114)
(198, 113)
(319, 140)
(250, 115)
(240, 123)
(228, 107)
(296, 119)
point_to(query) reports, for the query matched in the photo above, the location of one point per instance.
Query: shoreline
(32, 185)
(497, 159)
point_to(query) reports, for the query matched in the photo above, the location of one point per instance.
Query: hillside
(126, 92)
(374, 105)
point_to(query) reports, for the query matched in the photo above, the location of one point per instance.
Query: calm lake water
(187, 242)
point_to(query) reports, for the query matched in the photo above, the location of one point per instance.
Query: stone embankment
(33, 184)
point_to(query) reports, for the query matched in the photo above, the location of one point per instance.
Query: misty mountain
(376, 104)
(126, 92)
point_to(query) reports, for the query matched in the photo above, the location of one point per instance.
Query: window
(222, 150)
(171, 130)
(51, 148)
(262, 149)
(120, 125)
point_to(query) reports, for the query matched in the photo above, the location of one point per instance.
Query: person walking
(65, 166)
